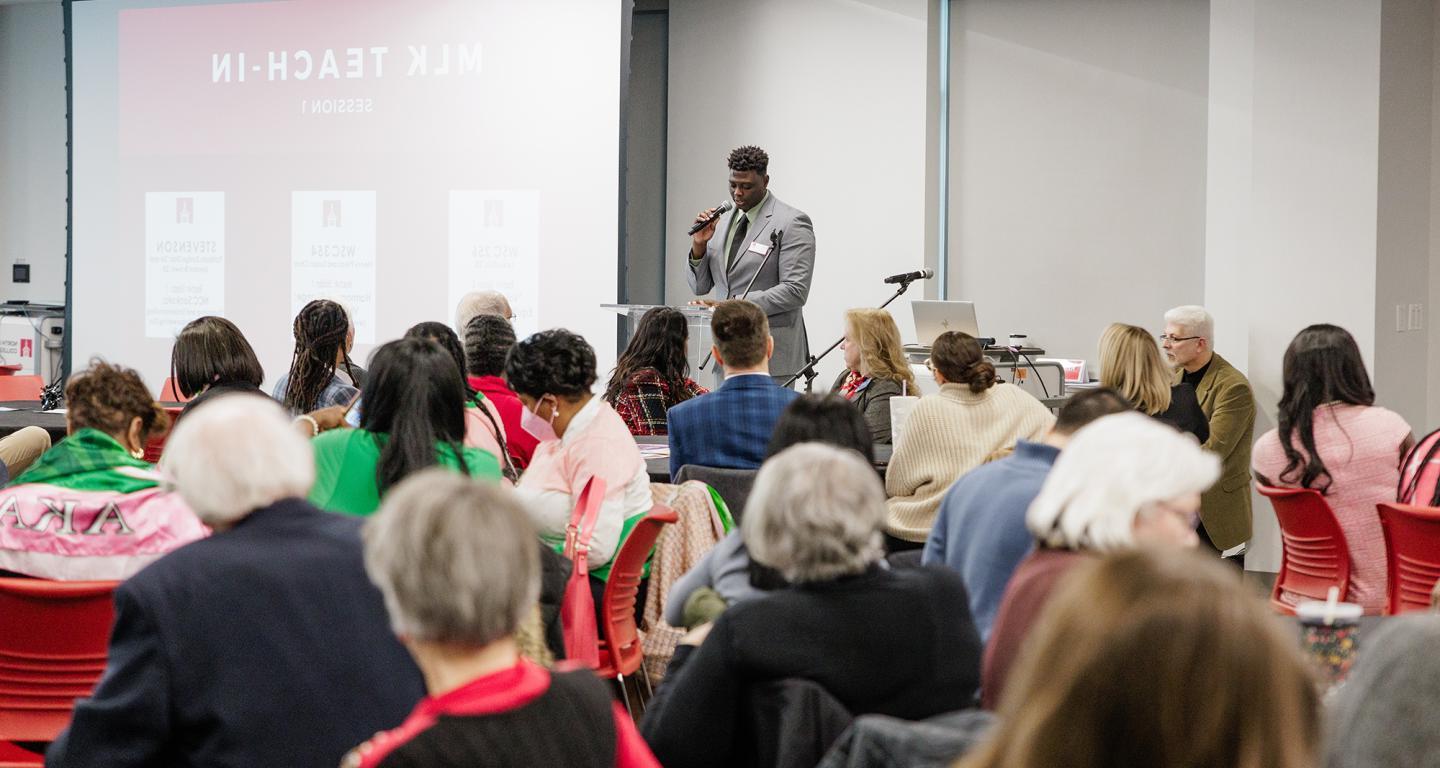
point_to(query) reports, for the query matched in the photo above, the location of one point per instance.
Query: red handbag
(577, 612)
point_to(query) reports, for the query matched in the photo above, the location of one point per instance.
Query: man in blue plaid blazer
(731, 426)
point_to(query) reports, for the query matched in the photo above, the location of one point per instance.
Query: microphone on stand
(905, 277)
(715, 214)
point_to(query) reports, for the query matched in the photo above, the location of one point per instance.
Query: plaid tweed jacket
(644, 400)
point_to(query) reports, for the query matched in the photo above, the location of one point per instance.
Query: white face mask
(539, 428)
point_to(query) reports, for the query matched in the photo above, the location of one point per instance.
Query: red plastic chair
(21, 387)
(1412, 555)
(620, 651)
(1316, 555)
(169, 393)
(54, 636)
(155, 446)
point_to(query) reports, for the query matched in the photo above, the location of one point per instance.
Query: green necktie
(741, 227)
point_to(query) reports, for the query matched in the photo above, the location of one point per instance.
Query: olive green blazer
(1229, 406)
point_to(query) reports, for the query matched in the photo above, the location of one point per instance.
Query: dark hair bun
(980, 375)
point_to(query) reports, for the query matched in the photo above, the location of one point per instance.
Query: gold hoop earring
(138, 453)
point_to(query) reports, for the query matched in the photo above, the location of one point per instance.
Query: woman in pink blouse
(1333, 438)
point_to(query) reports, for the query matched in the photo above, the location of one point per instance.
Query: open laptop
(933, 318)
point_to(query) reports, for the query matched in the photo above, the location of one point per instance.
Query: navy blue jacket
(729, 427)
(262, 645)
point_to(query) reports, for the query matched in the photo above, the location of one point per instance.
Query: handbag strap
(582, 520)
(507, 468)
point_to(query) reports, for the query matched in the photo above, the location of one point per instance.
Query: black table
(27, 414)
(659, 468)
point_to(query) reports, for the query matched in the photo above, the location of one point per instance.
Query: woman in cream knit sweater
(968, 422)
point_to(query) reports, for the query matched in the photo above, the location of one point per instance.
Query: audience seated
(1229, 409)
(968, 422)
(580, 437)
(1130, 364)
(1123, 482)
(731, 426)
(879, 641)
(483, 426)
(653, 373)
(488, 340)
(457, 564)
(980, 529)
(726, 569)
(1333, 438)
(321, 373)
(1381, 715)
(1147, 660)
(211, 357)
(414, 418)
(89, 509)
(875, 368)
(477, 303)
(263, 644)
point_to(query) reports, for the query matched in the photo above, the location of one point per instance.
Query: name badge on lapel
(759, 248)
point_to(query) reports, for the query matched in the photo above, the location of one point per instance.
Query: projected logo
(330, 213)
(494, 213)
(27, 347)
(184, 210)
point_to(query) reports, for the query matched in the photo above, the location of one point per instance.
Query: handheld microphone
(905, 277)
(715, 214)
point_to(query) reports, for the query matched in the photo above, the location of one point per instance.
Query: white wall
(1402, 251)
(1078, 137)
(1293, 169)
(834, 90)
(32, 150)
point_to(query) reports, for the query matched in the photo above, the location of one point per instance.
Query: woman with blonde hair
(1153, 660)
(1130, 364)
(1123, 482)
(875, 368)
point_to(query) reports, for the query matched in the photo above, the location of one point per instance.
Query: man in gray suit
(727, 263)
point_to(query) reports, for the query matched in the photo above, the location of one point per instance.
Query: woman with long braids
(1333, 438)
(652, 373)
(413, 418)
(321, 374)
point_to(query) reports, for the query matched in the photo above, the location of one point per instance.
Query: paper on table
(4, 408)
(649, 451)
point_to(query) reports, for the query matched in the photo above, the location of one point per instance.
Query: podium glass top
(640, 309)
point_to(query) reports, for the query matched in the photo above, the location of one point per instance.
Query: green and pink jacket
(88, 510)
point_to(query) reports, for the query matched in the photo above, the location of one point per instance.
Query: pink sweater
(1360, 446)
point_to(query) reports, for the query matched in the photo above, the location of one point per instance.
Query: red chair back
(1412, 555)
(1316, 555)
(169, 393)
(21, 387)
(54, 636)
(155, 446)
(620, 652)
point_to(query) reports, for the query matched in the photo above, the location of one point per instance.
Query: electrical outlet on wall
(20, 272)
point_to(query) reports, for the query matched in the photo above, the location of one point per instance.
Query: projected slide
(241, 159)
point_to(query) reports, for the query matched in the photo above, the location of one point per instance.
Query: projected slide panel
(332, 254)
(184, 259)
(495, 245)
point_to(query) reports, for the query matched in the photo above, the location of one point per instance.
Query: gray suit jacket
(782, 286)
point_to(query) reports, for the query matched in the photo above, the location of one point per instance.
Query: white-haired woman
(261, 644)
(898, 643)
(1124, 482)
(458, 564)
